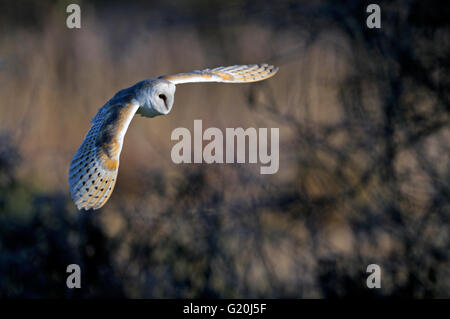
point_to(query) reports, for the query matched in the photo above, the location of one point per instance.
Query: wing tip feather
(239, 73)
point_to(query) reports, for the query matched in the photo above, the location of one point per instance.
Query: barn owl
(93, 170)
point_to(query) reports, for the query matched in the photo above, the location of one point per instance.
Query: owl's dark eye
(164, 98)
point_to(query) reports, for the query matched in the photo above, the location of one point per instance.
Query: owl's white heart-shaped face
(158, 98)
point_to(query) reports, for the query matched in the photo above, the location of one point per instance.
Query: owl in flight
(93, 170)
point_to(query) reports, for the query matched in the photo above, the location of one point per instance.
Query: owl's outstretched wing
(93, 170)
(228, 74)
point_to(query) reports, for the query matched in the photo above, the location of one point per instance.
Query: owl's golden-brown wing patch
(93, 170)
(229, 74)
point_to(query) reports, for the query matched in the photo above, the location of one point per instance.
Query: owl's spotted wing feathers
(93, 171)
(229, 74)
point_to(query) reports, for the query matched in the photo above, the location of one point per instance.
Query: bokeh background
(364, 118)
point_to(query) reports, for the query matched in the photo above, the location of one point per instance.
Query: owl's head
(157, 98)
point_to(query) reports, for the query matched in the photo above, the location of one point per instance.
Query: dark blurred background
(364, 151)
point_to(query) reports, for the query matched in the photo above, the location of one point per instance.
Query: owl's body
(93, 170)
